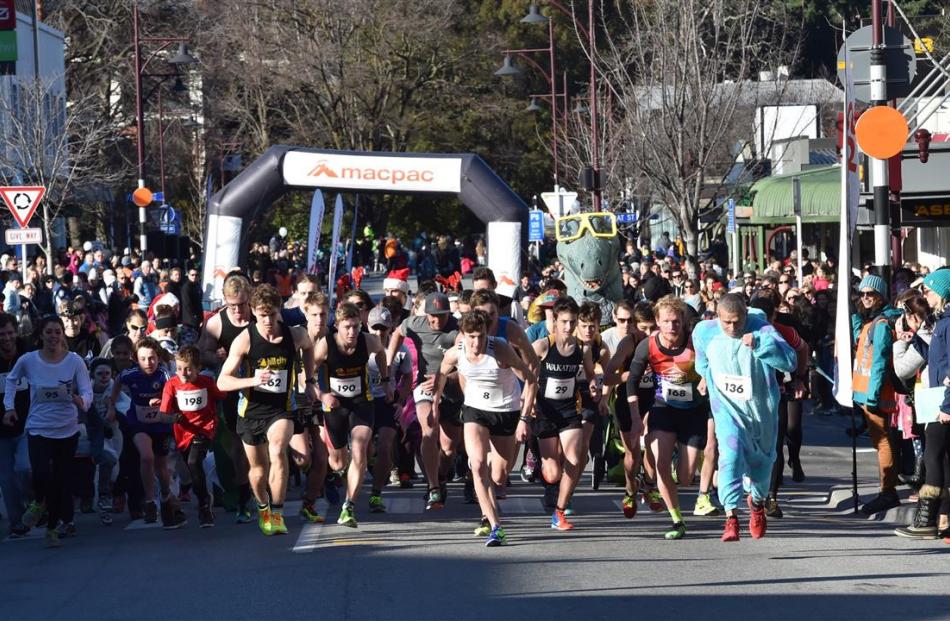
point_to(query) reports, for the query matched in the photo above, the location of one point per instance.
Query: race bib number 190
(348, 387)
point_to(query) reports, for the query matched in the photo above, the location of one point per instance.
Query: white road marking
(519, 504)
(310, 532)
(404, 505)
(141, 525)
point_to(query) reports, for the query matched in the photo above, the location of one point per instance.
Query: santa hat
(397, 279)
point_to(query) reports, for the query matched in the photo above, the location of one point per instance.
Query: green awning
(821, 197)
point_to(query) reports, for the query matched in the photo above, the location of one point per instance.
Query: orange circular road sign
(142, 197)
(881, 132)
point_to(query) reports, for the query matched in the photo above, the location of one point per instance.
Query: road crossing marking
(520, 504)
(310, 533)
(404, 505)
(141, 525)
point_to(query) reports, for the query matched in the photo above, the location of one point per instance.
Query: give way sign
(22, 201)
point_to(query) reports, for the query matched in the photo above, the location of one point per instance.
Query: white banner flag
(313, 237)
(850, 196)
(335, 246)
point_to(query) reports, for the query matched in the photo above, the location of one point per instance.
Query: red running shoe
(756, 520)
(629, 506)
(731, 532)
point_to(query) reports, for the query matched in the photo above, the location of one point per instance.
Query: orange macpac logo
(322, 169)
(395, 176)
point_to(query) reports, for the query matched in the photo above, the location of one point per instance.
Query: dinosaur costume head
(592, 271)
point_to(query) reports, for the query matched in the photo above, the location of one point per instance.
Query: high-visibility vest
(863, 360)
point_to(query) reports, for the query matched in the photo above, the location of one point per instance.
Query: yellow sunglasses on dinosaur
(600, 224)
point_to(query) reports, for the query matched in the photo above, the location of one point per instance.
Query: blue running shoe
(496, 537)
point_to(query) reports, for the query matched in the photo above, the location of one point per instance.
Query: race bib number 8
(277, 382)
(680, 393)
(484, 396)
(192, 400)
(559, 389)
(347, 387)
(49, 394)
(735, 387)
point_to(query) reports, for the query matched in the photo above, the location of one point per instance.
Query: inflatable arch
(284, 168)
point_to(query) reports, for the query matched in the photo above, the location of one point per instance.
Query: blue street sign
(168, 214)
(731, 216)
(535, 225)
(158, 197)
(626, 218)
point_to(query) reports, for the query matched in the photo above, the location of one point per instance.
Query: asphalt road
(819, 561)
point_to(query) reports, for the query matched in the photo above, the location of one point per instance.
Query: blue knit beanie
(877, 283)
(939, 283)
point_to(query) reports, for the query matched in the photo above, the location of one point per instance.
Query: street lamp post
(588, 32)
(181, 58)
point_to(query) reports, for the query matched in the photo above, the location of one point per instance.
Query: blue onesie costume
(744, 396)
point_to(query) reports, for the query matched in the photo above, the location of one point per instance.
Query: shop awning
(821, 197)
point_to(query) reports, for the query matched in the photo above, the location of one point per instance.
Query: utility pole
(879, 170)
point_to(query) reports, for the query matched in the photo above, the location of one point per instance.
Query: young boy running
(192, 400)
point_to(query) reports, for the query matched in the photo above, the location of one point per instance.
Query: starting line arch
(281, 169)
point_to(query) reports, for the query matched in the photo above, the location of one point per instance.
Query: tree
(681, 75)
(54, 145)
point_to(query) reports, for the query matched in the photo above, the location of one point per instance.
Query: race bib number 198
(192, 400)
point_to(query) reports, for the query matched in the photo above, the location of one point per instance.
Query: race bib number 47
(735, 387)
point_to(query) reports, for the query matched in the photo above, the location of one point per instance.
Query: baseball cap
(380, 316)
(548, 298)
(437, 304)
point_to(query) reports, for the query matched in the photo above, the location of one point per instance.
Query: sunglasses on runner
(599, 224)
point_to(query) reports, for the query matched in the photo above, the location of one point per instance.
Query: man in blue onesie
(738, 355)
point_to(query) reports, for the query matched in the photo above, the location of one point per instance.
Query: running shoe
(67, 529)
(654, 499)
(757, 522)
(176, 518)
(705, 506)
(798, 475)
(52, 539)
(205, 516)
(882, 502)
(559, 521)
(405, 481)
(264, 521)
(151, 512)
(772, 508)
(501, 492)
(434, 500)
(18, 530)
(569, 509)
(277, 523)
(31, 516)
(243, 516)
(484, 528)
(309, 512)
(731, 532)
(496, 537)
(376, 504)
(104, 504)
(469, 492)
(629, 506)
(105, 518)
(347, 515)
(677, 532)
(331, 488)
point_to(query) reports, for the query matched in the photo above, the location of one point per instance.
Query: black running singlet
(559, 390)
(278, 394)
(348, 374)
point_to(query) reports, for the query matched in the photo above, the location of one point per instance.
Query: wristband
(525, 419)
